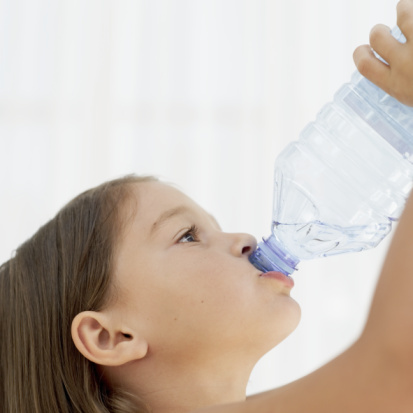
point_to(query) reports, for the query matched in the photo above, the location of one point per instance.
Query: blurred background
(202, 93)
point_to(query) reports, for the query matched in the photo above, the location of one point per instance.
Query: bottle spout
(271, 255)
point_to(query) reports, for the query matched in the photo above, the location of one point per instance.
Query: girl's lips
(288, 281)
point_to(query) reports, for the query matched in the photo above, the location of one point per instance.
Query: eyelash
(193, 231)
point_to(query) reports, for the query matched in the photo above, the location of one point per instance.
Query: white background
(203, 93)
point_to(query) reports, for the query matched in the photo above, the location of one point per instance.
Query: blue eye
(190, 236)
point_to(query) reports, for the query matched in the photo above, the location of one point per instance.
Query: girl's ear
(101, 341)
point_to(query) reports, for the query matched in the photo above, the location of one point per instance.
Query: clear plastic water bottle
(339, 187)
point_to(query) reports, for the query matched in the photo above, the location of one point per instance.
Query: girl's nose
(243, 244)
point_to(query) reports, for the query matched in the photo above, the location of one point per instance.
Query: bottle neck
(271, 255)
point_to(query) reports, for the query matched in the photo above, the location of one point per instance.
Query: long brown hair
(65, 268)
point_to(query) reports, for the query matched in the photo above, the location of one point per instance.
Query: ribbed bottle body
(339, 187)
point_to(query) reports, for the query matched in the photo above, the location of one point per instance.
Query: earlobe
(101, 341)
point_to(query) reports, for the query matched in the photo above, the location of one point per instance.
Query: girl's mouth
(286, 280)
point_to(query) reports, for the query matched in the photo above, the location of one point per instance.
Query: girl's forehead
(167, 200)
(158, 195)
(155, 200)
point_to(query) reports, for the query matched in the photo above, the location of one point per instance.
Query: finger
(382, 42)
(405, 18)
(371, 67)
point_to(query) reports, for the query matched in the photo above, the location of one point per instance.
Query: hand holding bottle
(396, 78)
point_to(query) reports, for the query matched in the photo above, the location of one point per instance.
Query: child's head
(131, 282)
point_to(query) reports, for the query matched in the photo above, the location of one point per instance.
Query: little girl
(132, 299)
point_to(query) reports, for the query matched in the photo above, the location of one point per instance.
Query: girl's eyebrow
(168, 214)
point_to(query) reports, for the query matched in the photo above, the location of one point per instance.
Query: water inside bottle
(317, 239)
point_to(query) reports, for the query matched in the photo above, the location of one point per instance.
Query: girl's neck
(188, 385)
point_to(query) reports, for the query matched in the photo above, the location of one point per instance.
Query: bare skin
(375, 375)
(189, 298)
(395, 78)
(190, 315)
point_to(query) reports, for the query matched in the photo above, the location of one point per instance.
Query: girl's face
(189, 288)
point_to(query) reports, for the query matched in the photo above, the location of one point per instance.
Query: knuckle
(377, 33)
(362, 59)
(404, 10)
(363, 65)
(401, 5)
